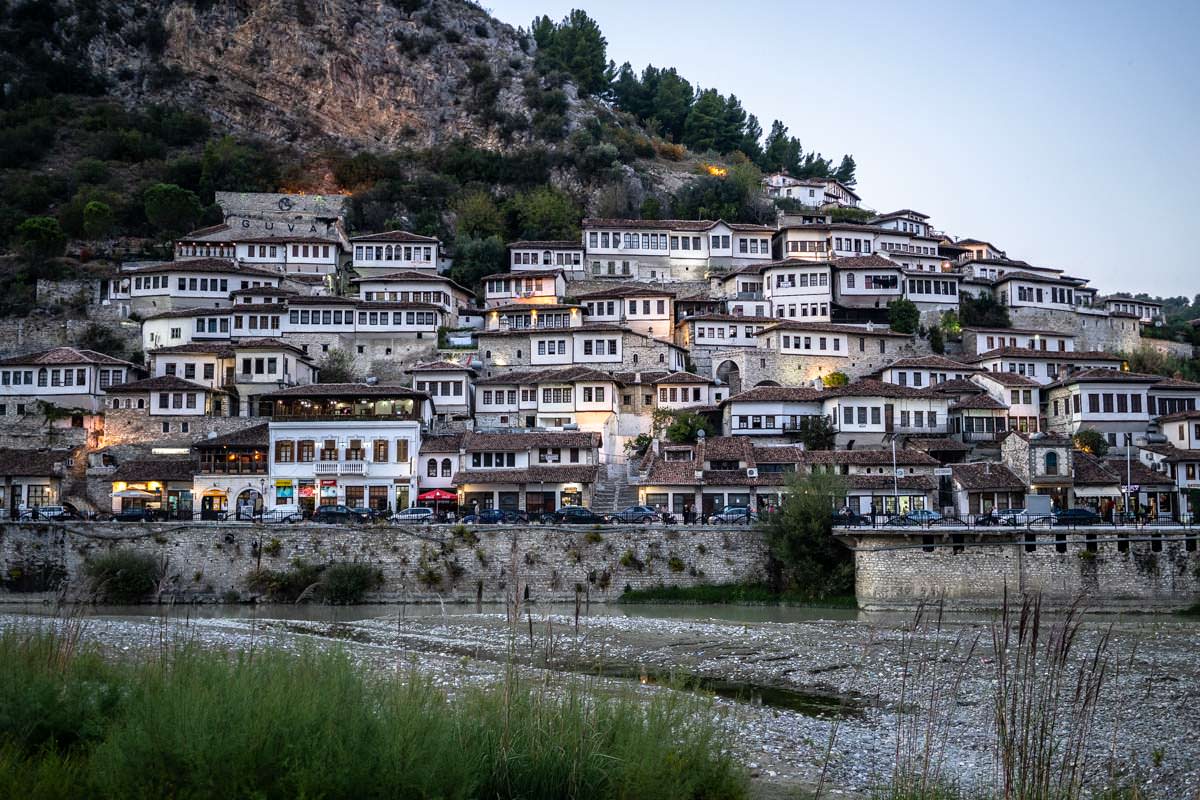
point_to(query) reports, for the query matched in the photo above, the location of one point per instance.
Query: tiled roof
(1069, 356)
(64, 355)
(980, 402)
(829, 327)
(485, 442)
(987, 476)
(869, 387)
(694, 225)
(627, 290)
(868, 458)
(957, 386)
(539, 273)
(528, 307)
(921, 483)
(580, 473)
(1104, 374)
(321, 300)
(935, 444)
(162, 383)
(546, 244)
(205, 265)
(346, 390)
(20, 463)
(180, 313)
(726, 318)
(438, 366)
(1173, 454)
(684, 377)
(771, 394)
(268, 344)
(166, 469)
(394, 236)
(221, 349)
(266, 290)
(252, 436)
(536, 376)
(726, 448)
(937, 362)
(442, 442)
(1177, 383)
(1179, 416)
(864, 261)
(1009, 379)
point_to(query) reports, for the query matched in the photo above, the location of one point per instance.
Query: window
(1051, 462)
(381, 450)
(284, 452)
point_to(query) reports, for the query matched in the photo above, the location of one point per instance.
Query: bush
(287, 585)
(123, 576)
(903, 316)
(349, 583)
(40, 239)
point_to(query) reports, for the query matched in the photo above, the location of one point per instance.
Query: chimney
(987, 468)
(637, 377)
(654, 446)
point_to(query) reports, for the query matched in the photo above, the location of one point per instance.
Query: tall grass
(1046, 689)
(274, 725)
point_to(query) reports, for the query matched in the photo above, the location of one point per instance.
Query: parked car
(414, 514)
(921, 516)
(339, 515)
(849, 518)
(736, 515)
(371, 514)
(1076, 516)
(636, 515)
(283, 514)
(63, 513)
(574, 515)
(138, 515)
(488, 516)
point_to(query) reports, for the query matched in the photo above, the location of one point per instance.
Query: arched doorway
(249, 504)
(213, 504)
(767, 383)
(729, 374)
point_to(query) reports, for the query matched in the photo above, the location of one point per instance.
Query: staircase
(613, 491)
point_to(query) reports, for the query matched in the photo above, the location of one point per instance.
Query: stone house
(535, 471)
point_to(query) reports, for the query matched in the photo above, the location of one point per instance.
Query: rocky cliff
(373, 74)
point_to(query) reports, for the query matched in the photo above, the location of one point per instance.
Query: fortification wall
(210, 562)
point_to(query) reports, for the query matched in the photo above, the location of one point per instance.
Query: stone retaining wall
(901, 569)
(211, 562)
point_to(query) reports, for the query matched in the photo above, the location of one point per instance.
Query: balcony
(748, 296)
(340, 468)
(970, 437)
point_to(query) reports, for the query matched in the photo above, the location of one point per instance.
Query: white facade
(798, 290)
(368, 462)
(394, 251)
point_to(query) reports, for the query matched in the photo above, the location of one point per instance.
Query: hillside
(430, 114)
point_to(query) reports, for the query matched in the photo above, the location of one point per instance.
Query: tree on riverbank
(802, 555)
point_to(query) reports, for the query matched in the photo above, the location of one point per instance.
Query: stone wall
(1169, 348)
(895, 570)
(209, 562)
(1092, 331)
(138, 426)
(21, 335)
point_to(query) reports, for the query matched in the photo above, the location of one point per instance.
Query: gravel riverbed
(797, 697)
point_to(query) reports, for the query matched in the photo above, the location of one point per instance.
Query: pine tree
(672, 103)
(751, 135)
(845, 171)
(703, 128)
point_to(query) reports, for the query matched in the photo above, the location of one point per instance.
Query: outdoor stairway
(614, 492)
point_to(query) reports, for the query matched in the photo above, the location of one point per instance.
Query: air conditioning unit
(751, 472)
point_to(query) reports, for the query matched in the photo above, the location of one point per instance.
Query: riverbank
(804, 692)
(731, 594)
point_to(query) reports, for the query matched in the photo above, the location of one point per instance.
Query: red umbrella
(436, 495)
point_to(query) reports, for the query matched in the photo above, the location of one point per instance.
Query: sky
(1065, 133)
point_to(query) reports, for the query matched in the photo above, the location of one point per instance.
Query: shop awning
(437, 494)
(135, 494)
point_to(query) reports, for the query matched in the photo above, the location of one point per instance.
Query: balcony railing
(981, 436)
(340, 467)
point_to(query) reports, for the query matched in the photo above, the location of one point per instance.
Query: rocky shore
(800, 698)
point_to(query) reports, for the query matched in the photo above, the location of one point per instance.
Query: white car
(414, 514)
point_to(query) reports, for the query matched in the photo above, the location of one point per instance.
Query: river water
(799, 689)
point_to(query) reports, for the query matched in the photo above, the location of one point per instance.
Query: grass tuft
(201, 724)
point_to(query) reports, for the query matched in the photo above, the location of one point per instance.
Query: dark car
(574, 515)
(488, 516)
(138, 515)
(339, 515)
(372, 514)
(849, 519)
(921, 516)
(636, 515)
(1076, 516)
